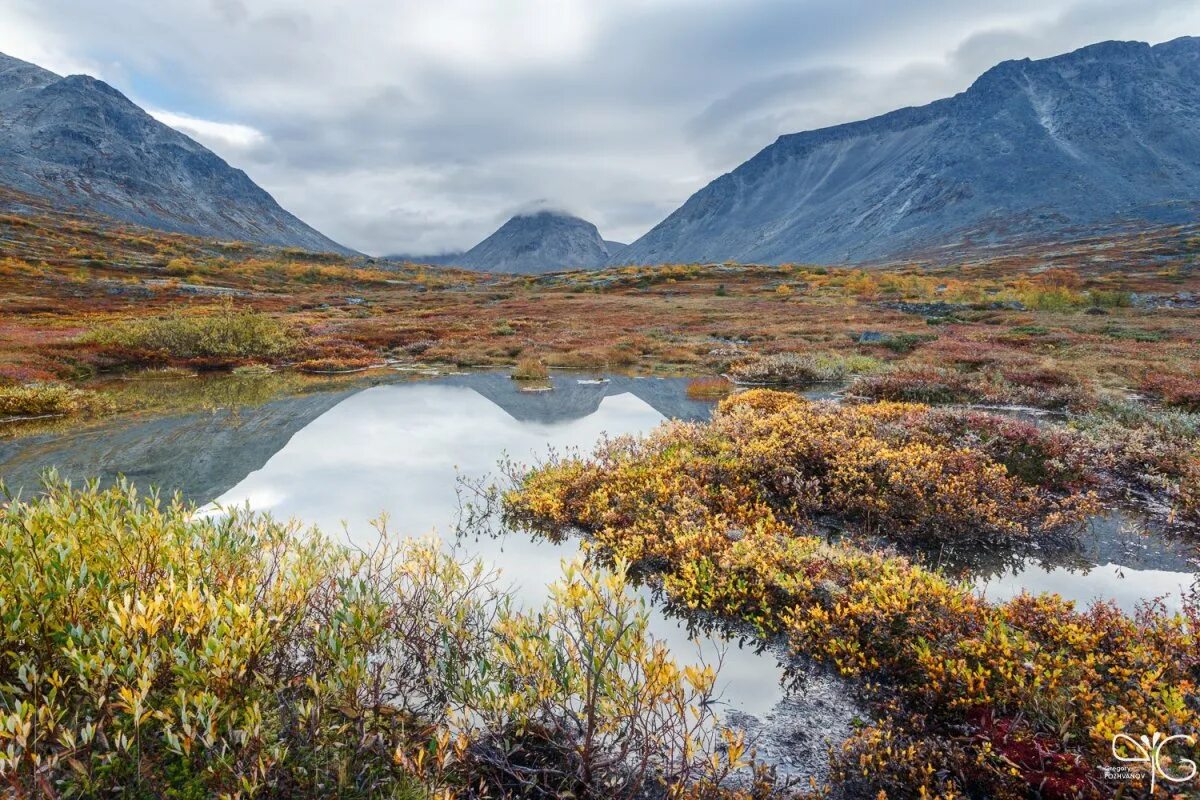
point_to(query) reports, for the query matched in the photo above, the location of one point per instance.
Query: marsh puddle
(1121, 557)
(340, 459)
(399, 450)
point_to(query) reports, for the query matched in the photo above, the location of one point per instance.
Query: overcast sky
(418, 127)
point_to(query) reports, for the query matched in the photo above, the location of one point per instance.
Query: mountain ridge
(78, 140)
(1028, 148)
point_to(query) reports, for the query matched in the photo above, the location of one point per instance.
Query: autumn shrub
(1039, 387)
(1178, 391)
(530, 368)
(579, 359)
(337, 364)
(226, 332)
(972, 699)
(1155, 452)
(708, 388)
(581, 701)
(1047, 456)
(966, 354)
(1189, 490)
(1053, 297)
(879, 468)
(36, 400)
(148, 651)
(920, 384)
(780, 369)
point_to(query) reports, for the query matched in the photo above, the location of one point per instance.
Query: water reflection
(347, 454)
(399, 450)
(1119, 557)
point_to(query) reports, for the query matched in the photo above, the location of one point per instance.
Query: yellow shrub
(975, 699)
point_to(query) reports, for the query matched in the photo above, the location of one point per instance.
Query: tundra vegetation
(971, 698)
(167, 654)
(151, 652)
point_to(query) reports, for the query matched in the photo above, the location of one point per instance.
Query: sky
(406, 126)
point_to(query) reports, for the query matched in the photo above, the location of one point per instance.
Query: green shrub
(1110, 298)
(907, 342)
(1053, 298)
(1135, 335)
(228, 332)
(37, 400)
(1029, 330)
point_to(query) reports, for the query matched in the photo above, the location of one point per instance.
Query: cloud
(215, 135)
(417, 126)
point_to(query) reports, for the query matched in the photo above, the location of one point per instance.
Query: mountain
(1108, 132)
(440, 258)
(78, 141)
(545, 241)
(573, 399)
(614, 248)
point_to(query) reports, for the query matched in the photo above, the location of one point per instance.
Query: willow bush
(148, 651)
(590, 700)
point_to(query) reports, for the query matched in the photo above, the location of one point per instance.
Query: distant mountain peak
(539, 241)
(1107, 132)
(78, 140)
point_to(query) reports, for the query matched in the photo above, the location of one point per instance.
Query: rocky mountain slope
(78, 141)
(545, 241)
(1108, 132)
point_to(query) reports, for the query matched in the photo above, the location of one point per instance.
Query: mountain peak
(539, 241)
(16, 74)
(1107, 132)
(80, 141)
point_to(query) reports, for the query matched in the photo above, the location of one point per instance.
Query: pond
(396, 450)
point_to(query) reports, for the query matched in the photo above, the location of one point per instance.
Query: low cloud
(214, 135)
